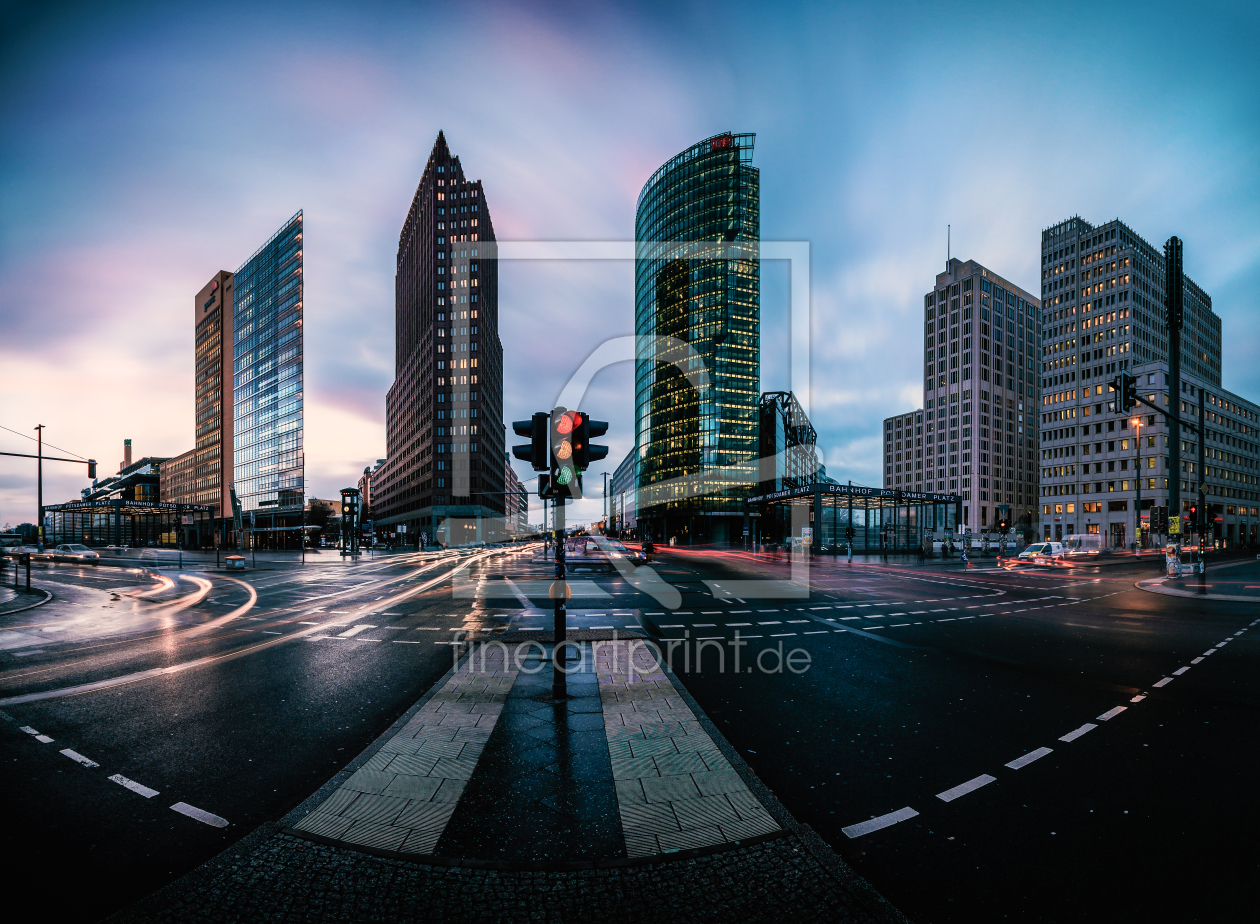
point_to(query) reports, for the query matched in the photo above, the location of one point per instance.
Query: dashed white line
(962, 789)
(1164, 682)
(133, 786)
(43, 739)
(1196, 660)
(1111, 713)
(1179, 671)
(1138, 698)
(1029, 758)
(79, 758)
(1077, 732)
(204, 817)
(877, 824)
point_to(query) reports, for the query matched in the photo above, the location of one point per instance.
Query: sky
(145, 146)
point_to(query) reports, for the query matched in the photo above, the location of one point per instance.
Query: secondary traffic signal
(849, 533)
(585, 452)
(1125, 387)
(535, 453)
(92, 468)
(564, 473)
(1004, 517)
(1191, 520)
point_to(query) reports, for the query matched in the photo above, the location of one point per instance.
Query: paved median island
(494, 800)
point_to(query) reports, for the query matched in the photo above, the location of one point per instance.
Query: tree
(318, 514)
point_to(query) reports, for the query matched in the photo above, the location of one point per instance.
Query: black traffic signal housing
(92, 469)
(564, 473)
(584, 452)
(1128, 392)
(1004, 517)
(1216, 518)
(1190, 521)
(849, 533)
(535, 453)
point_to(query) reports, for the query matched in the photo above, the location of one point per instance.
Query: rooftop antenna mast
(948, 229)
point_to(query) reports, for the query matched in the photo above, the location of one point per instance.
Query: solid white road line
(1111, 713)
(133, 786)
(962, 789)
(204, 817)
(1076, 733)
(876, 824)
(1160, 683)
(79, 758)
(1029, 758)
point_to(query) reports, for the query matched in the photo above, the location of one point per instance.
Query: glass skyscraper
(698, 361)
(267, 383)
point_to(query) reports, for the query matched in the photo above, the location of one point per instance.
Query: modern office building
(697, 317)
(980, 399)
(267, 418)
(202, 474)
(516, 501)
(903, 451)
(624, 516)
(444, 413)
(788, 444)
(1104, 314)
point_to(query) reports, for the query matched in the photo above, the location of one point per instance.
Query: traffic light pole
(1173, 302)
(559, 680)
(1202, 563)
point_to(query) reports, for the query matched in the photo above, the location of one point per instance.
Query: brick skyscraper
(444, 413)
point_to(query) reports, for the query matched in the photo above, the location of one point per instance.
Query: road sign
(745, 530)
(807, 532)
(1174, 526)
(187, 520)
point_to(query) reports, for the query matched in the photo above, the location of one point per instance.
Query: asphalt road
(910, 682)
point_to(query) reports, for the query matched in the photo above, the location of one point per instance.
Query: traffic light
(1216, 518)
(535, 453)
(1125, 387)
(849, 533)
(1191, 519)
(564, 475)
(92, 469)
(1004, 517)
(584, 452)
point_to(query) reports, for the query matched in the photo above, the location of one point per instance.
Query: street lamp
(1137, 509)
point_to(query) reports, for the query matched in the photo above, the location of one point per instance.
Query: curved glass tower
(698, 363)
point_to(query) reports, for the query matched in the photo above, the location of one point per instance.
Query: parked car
(1042, 550)
(74, 552)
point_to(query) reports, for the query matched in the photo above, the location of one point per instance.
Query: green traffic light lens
(564, 476)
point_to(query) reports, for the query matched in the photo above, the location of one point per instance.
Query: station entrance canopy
(131, 523)
(882, 518)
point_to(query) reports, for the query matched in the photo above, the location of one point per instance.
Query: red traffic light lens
(565, 424)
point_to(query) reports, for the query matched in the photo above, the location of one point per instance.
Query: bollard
(559, 680)
(27, 558)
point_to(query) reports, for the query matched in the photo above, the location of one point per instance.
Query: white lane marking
(1196, 660)
(1029, 758)
(1210, 651)
(1179, 671)
(770, 622)
(43, 739)
(1138, 698)
(782, 634)
(739, 623)
(266, 632)
(308, 624)
(133, 786)
(1222, 644)
(1111, 713)
(1240, 632)
(29, 730)
(962, 789)
(1160, 683)
(876, 824)
(204, 817)
(403, 641)
(816, 632)
(79, 758)
(1076, 733)
(797, 620)
(350, 633)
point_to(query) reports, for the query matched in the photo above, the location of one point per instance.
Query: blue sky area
(145, 146)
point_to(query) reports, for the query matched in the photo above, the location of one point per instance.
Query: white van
(1042, 550)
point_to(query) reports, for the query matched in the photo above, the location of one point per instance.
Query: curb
(1158, 586)
(30, 606)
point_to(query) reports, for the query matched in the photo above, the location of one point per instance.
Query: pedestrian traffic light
(1216, 518)
(1191, 519)
(535, 453)
(92, 468)
(564, 476)
(584, 452)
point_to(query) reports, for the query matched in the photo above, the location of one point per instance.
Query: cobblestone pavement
(278, 877)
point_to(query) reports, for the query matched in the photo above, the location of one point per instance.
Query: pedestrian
(850, 553)
(964, 556)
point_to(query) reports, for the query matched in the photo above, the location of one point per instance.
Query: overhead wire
(46, 443)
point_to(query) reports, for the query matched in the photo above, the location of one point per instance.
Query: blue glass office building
(267, 387)
(698, 309)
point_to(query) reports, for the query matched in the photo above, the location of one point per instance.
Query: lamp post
(1137, 510)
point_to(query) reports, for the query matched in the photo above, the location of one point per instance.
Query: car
(1042, 550)
(1084, 545)
(74, 552)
